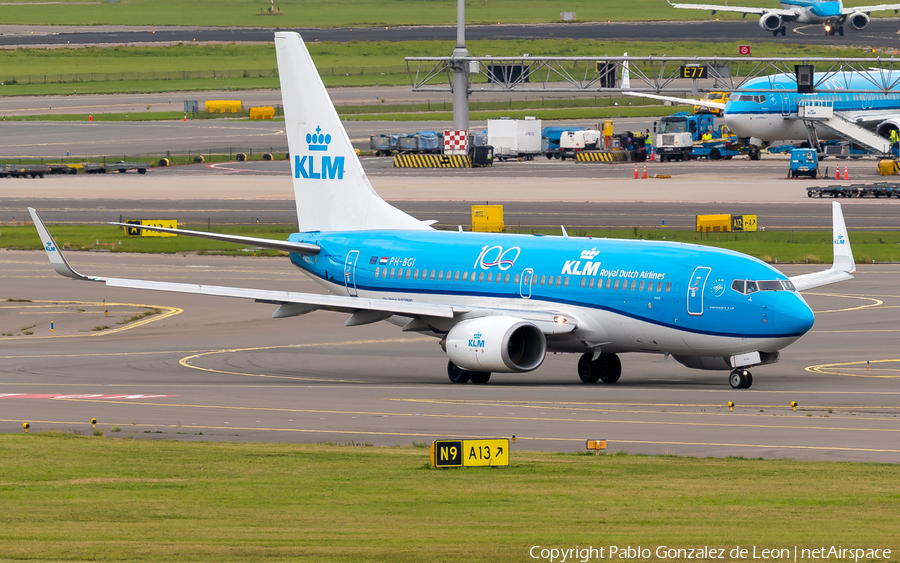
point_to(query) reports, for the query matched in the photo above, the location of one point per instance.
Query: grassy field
(812, 247)
(73, 498)
(91, 70)
(346, 13)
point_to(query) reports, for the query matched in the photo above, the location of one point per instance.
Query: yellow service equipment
(263, 112)
(724, 223)
(224, 106)
(487, 218)
(470, 453)
(888, 167)
(135, 232)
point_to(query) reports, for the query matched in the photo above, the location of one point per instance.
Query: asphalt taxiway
(220, 369)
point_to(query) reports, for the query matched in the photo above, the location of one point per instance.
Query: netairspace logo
(663, 552)
(328, 168)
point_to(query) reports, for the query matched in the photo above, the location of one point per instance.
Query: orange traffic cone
(837, 172)
(645, 172)
(846, 174)
(185, 117)
(635, 172)
(90, 117)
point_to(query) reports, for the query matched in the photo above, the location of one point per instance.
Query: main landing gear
(782, 30)
(606, 368)
(740, 379)
(459, 375)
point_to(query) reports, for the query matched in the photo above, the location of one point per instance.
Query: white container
(514, 137)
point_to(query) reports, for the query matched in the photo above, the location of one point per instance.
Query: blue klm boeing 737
(501, 302)
(831, 14)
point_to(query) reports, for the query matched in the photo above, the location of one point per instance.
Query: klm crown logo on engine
(476, 341)
(322, 167)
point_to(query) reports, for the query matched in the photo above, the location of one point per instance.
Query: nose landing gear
(740, 379)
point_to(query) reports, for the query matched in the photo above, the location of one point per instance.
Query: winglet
(843, 256)
(57, 260)
(843, 267)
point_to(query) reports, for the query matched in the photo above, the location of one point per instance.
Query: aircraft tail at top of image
(501, 302)
(830, 13)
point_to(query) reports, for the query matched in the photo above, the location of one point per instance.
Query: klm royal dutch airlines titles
(500, 302)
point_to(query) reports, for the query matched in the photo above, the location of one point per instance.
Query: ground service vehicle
(514, 138)
(679, 137)
(720, 97)
(804, 162)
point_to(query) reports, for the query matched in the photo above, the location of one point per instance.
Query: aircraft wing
(843, 267)
(867, 9)
(786, 14)
(364, 310)
(284, 245)
(687, 101)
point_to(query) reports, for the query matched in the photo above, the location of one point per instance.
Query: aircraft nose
(798, 315)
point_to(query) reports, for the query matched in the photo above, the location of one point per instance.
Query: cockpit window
(750, 286)
(758, 98)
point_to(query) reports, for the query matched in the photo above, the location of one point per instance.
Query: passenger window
(408, 272)
(376, 271)
(392, 272)
(534, 280)
(633, 284)
(591, 284)
(584, 281)
(616, 285)
(658, 287)
(668, 287)
(549, 281)
(490, 277)
(543, 279)
(465, 276)
(473, 277)
(608, 281)
(640, 288)
(416, 274)
(440, 275)
(431, 277)
(506, 278)
(566, 283)
(456, 276)
(480, 276)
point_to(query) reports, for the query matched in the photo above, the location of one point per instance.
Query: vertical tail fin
(331, 189)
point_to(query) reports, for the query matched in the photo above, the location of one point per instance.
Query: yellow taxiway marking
(476, 417)
(835, 369)
(577, 404)
(185, 361)
(442, 435)
(874, 302)
(165, 313)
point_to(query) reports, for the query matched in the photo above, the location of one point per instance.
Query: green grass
(71, 498)
(349, 13)
(783, 246)
(92, 70)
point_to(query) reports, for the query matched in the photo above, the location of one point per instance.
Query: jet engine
(770, 22)
(496, 344)
(858, 20)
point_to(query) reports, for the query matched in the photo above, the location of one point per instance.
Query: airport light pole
(460, 71)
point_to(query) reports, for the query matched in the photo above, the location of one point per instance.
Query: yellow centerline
(826, 369)
(165, 314)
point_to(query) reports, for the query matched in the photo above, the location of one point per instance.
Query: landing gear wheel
(840, 31)
(740, 379)
(457, 374)
(783, 30)
(613, 369)
(479, 377)
(754, 153)
(606, 368)
(585, 369)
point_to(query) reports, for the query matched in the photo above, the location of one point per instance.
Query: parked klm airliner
(501, 302)
(832, 15)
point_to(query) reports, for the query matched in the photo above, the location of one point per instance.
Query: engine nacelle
(770, 22)
(858, 20)
(497, 344)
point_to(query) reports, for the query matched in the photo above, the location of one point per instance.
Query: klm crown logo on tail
(326, 169)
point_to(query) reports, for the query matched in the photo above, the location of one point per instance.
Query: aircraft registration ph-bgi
(832, 15)
(501, 302)
(842, 106)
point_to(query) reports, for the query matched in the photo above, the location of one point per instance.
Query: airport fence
(209, 155)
